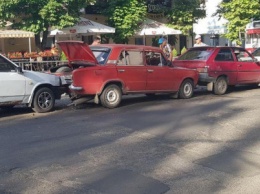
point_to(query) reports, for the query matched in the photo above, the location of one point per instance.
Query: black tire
(220, 86)
(43, 100)
(111, 96)
(186, 90)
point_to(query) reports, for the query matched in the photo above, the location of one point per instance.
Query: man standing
(96, 41)
(198, 41)
(166, 48)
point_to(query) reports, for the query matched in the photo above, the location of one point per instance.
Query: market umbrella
(17, 34)
(152, 27)
(85, 26)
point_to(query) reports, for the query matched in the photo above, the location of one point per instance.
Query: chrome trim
(75, 88)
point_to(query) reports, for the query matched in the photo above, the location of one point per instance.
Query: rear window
(101, 54)
(196, 54)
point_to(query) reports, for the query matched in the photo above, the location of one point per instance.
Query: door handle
(121, 70)
(150, 70)
(239, 65)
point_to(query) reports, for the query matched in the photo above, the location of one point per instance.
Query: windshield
(196, 54)
(101, 55)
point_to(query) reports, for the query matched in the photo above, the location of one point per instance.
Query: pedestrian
(166, 48)
(96, 41)
(198, 41)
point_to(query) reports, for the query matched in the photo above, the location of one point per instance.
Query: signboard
(158, 6)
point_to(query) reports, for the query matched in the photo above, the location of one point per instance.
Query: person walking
(198, 41)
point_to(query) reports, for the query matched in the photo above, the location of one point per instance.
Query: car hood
(78, 51)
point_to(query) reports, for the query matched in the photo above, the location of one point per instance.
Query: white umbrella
(85, 26)
(56, 32)
(152, 27)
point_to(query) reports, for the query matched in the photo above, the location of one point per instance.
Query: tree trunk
(41, 44)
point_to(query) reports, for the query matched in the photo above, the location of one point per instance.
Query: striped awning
(16, 34)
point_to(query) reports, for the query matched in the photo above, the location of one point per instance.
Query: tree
(238, 13)
(39, 15)
(125, 16)
(184, 13)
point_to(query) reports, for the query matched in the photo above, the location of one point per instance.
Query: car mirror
(19, 70)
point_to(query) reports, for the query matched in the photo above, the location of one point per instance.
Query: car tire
(186, 90)
(111, 96)
(43, 100)
(220, 86)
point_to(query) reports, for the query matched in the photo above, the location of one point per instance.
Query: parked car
(34, 89)
(108, 71)
(220, 67)
(256, 53)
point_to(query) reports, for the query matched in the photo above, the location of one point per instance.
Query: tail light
(203, 69)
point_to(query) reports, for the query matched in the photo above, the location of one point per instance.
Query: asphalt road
(207, 144)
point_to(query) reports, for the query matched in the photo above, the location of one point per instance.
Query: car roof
(128, 46)
(212, 47)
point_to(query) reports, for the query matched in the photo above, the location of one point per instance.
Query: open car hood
(77, 51)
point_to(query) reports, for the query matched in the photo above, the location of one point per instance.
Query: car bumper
(204, 78)
(75, 88)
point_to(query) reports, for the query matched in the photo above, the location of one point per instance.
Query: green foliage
(39, 15)
(63, 56)
(184, 13)
(174, 53)
(183, 50)
(125, 16)
(238, 13)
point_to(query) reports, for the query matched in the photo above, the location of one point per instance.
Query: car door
(248, 69)
(160, 77)
(12, 83)
(131, 70)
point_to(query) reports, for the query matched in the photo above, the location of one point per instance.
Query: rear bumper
(204, 79)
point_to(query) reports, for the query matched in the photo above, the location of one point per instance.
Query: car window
(6, 66)
(131, 58)
(256, 53)
(224, 55)
(243, 55)
(155, 59)
(196, 54)
(101, 56)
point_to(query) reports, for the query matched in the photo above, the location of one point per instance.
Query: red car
(106, 72)
(220, 67)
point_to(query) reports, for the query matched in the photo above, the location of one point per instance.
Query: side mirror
(19, 69)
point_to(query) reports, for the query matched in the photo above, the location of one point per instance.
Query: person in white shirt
(198, 41)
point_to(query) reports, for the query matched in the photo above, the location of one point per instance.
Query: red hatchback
(106, 72)
(220, 67)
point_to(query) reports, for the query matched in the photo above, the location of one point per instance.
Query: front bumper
(75, 88)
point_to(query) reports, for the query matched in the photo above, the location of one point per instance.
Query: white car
(35, 89)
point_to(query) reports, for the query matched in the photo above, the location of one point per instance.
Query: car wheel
(220, 86)
(43, 100)
(186, 89)
(111, 96)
